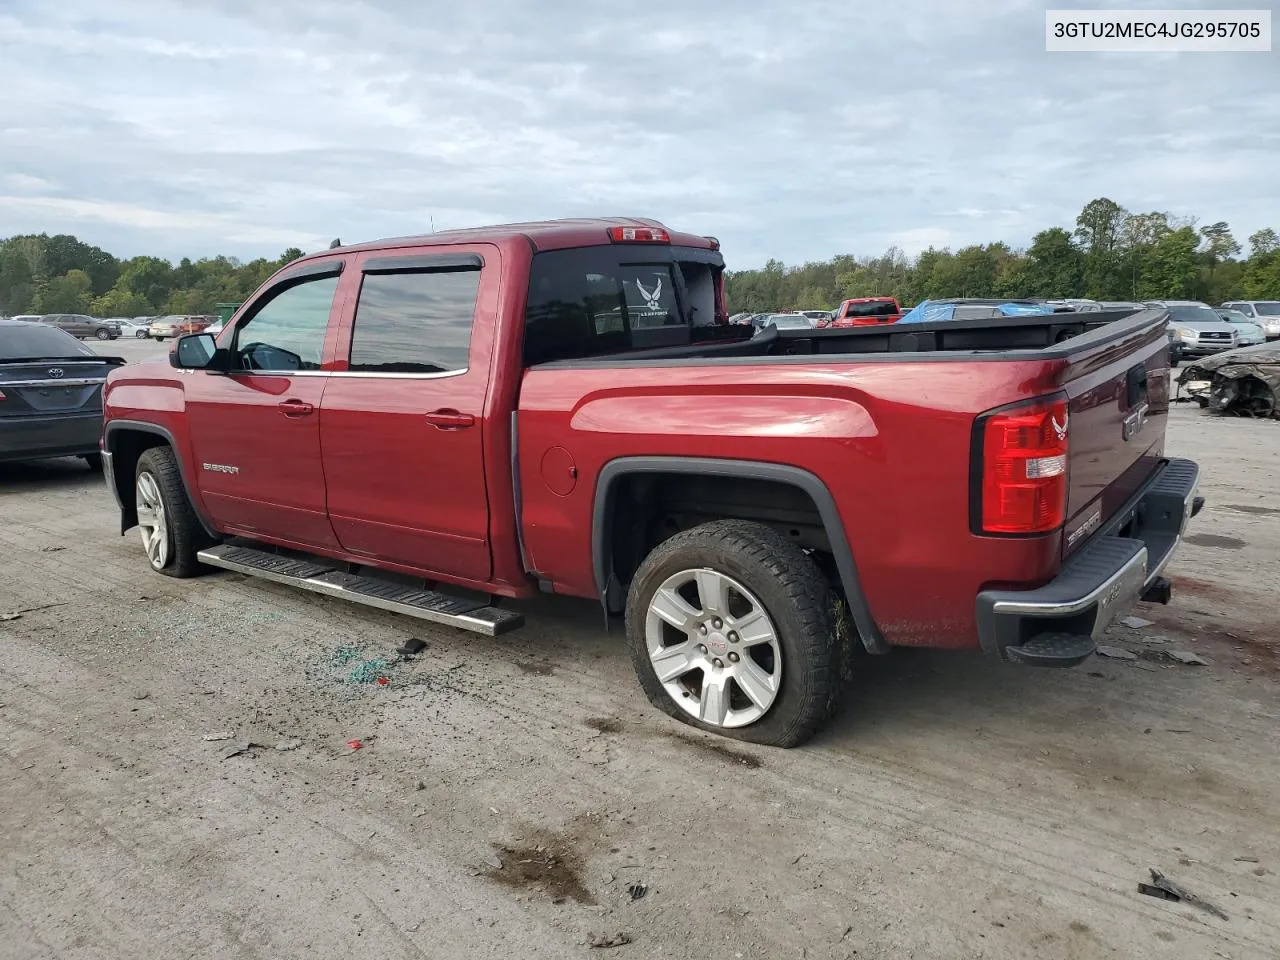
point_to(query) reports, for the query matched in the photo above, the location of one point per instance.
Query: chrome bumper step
(317, 576)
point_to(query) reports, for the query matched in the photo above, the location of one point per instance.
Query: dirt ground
(509, 794)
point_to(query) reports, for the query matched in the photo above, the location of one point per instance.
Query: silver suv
(1195, 330)
(1265, 313)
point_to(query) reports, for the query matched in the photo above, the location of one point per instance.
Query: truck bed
(1003, 335)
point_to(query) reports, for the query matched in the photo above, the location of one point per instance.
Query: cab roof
(539, 234)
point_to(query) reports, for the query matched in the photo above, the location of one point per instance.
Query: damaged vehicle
(1243, 382)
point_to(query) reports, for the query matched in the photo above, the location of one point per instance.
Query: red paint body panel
(847, 314)
(366, 478)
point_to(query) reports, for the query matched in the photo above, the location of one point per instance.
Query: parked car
(195, 324)
(1196, 331)
(162, 328)
(864, 311)
(1248, 333)
(126, 327)
(1129, 305)
(27, 317)
(974, 308)
(754, 504)
(817, 315)
(787, 321)
(79, 325)
(50, 394)
(1265, 313)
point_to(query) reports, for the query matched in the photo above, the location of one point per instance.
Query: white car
(128, 328)
(163, 327)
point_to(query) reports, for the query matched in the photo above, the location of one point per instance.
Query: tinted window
(610, 299)
(870, 310)
(20, 340)
(414, 322)
(288, 332)
(1269, 309)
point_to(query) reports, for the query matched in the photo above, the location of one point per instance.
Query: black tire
(186, 537)
(102, 333)
(141, 335)
(94, 462)
(807, 614)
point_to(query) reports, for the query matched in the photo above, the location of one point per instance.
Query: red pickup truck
(432, 425)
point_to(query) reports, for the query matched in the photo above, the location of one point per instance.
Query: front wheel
(171, 533)
(141, 335)
(102, 334)
(734, 629)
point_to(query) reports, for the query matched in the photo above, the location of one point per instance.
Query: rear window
(610, 299)
(878, 309)
(21, 340)
(1269, 309)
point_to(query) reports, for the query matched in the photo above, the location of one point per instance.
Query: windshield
(1193, 315)
(1269, 309)
(20, 340)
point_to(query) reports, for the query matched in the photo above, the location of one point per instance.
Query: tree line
(1111, 254)
(61, 274)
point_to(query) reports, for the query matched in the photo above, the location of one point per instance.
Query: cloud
(799, 130)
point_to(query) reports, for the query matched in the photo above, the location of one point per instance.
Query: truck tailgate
(1118, 407)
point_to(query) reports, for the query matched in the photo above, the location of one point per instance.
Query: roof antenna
(335, 244)
(433, 222)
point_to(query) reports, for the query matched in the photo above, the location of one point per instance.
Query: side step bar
(319, 577)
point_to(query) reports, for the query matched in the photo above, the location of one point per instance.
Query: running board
(318, 577)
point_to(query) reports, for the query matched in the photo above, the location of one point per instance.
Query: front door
(402, 426)
(255, 431)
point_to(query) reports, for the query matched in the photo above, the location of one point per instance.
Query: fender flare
(140, 426)
(614, 470)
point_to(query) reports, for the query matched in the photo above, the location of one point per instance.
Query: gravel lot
(508, 792)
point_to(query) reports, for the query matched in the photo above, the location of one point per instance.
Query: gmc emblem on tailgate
(1132, 425)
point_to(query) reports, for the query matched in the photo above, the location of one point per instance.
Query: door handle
(450, 419)
(295, 408)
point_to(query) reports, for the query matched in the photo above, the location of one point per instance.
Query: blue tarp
(929, 312)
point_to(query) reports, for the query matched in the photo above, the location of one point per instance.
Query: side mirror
(197, 351)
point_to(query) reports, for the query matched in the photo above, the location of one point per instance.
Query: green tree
(70, 293)
(1172, 269)
(1055, 265)
(1098, 231)
(1263, 242)
(119, 302)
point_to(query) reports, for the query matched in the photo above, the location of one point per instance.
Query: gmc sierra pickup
(433, 424)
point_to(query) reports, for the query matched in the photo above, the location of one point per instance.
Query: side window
(414, 322)
(287, 333)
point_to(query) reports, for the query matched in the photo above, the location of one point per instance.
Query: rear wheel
(171, 533)
(141, 334)
(735, 630)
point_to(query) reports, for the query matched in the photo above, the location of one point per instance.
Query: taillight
(1023, 483)
(638, 235)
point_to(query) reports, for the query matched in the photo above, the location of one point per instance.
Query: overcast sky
(794, 129)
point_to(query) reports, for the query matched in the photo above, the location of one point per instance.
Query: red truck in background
(432, 424)
(865, 311)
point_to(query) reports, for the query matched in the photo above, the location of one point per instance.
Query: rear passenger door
(402, 420)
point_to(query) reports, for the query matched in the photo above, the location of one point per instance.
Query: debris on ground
(141, 694)
(244, 746)
(53, 549)
(1187, 657)
(17, 614)
(1116, 653)
(1156, 639)
(1247, 860)
(355, 744)
(411, 647)
(215, 737)
(604, 941)
(637, 890)
(286, 745)
(1137, 623)
(1162, 888)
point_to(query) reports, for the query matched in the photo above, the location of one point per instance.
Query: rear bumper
(39, 438)
(1104, 579)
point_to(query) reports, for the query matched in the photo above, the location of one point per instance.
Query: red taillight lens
(638, 235)
(1024, 468)
(2, 396)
